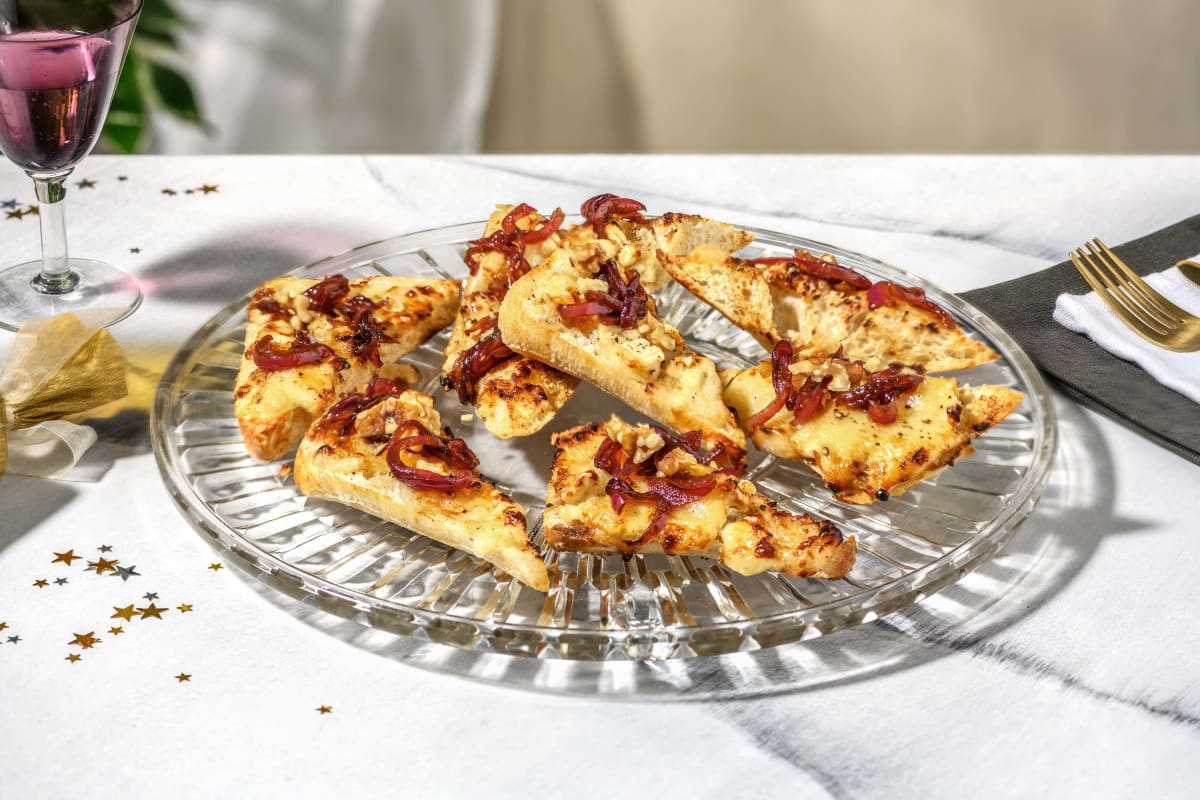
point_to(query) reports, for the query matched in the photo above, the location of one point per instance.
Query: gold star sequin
(152, 611)
(169, 192)
(325, 709)
(184, 608)
(3, 625)
(208, 189)
(216, 566)
(18, 214)
(85, 640)
(73, 658)
(41, 583)
(116, 630)
(103, 565)
(33, 210)
(125, 613)
(183, 676)
(66, 557)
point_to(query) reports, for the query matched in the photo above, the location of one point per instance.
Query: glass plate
(598, 607)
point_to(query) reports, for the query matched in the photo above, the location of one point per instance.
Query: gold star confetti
(33, 210)
(65, 558)
(183, 676)
(216, 566)
(3, 625)
(41, 583)
(207, 189)
(152, 611)
(116, 630)
(73, 658)
(103, 565)
(125, 613)
(170, 192)
(85, 640)
(18, 214)
(184, 608)
(325, 709)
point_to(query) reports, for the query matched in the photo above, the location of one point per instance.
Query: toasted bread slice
(819, 316)
(646, 365)
(274, 407)
(643, 245)
(345, 457)
(729, 522)
(513, 395)
(860, 459)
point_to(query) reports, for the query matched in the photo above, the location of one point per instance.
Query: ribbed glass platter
(598, 607)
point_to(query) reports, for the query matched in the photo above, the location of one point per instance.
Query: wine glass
(59, 63)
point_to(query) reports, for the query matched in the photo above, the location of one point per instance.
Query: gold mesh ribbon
(57, 367)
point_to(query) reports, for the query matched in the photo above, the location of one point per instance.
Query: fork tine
(1111, 289)
(1131, 291)
(1111, 300)
(1136, 280)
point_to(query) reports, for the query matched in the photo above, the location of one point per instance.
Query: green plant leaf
(174, 92)
(125, 126)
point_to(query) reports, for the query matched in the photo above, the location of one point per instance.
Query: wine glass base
(103, 294)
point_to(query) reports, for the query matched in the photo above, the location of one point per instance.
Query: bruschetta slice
(619, 488)
(382, 449)
(870, 435)
(821, 307)
(308, 341)
(604, 328)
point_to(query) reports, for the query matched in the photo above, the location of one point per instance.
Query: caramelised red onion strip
(603, 208)
(324, 296)
(342, 414)
(452, 452)
(781, 381)
(273, 357)
(510, 241)
(810, 399)
(879, 392)
(533, 235)
(474, 363)
(816, 267)
(624, 304)
(884, 293)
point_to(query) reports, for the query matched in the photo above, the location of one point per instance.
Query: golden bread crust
(353, 470)
(862, 461)
(274, 408)
(732, 523)
(648, 367)
(780, 301)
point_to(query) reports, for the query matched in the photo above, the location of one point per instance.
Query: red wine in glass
(53, 92)
(59, 64)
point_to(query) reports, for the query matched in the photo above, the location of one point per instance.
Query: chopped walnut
(303, 314)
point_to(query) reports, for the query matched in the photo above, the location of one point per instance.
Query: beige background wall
(846, 76)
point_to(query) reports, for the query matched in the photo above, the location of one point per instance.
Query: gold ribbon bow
(57, 367)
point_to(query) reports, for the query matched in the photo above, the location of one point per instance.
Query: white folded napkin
(1088, 315)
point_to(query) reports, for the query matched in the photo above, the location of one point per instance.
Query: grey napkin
(1086, 372)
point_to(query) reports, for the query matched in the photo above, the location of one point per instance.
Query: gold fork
(1147, 313)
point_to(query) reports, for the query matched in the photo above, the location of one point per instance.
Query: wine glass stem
(56, 276)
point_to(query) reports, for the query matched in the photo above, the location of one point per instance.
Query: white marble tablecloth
(1069, 666)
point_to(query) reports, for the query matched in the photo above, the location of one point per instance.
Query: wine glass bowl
(59, 64)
